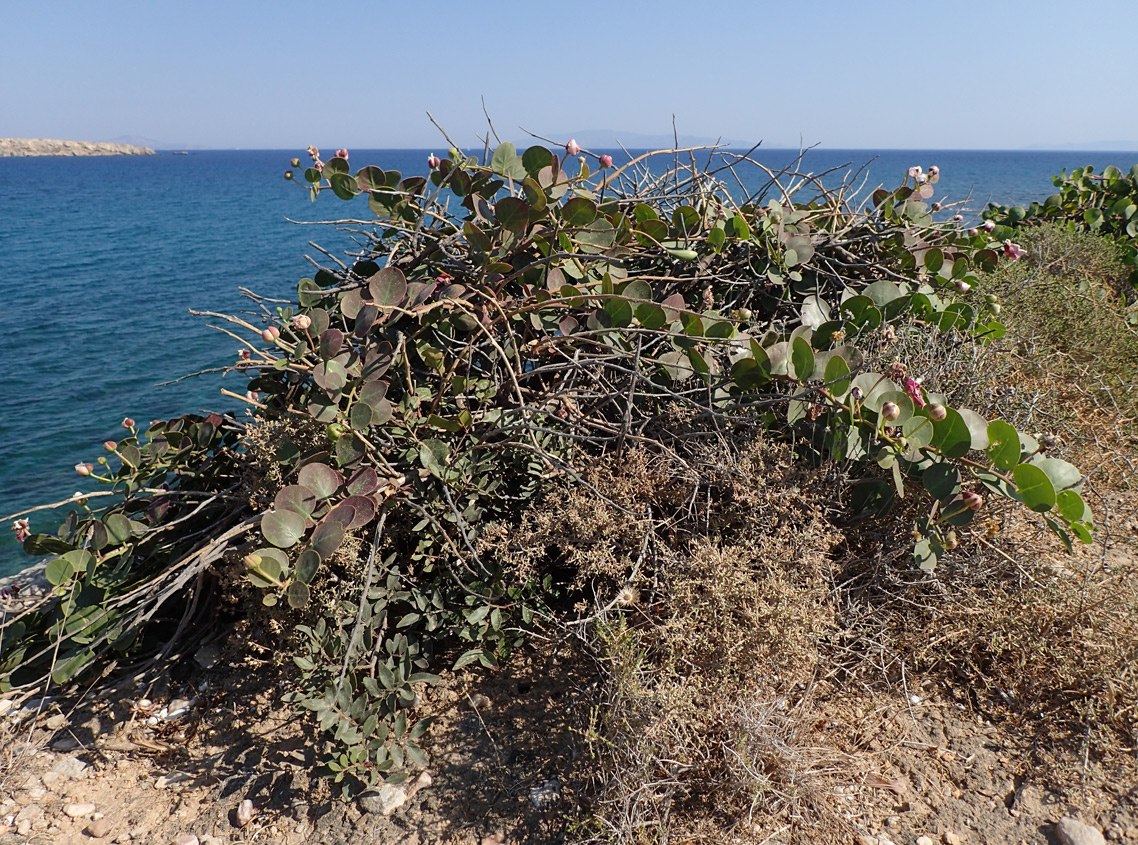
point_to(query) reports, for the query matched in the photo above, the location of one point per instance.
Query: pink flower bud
(110, 445)
(856, 394)
(302, 321)
(433, 161)
(937, 411)
(270, 334)
(342, 154)
(127, 422)
(244, 354)
(973, 233)
(84, 469)
(288, 174)
(313, 153)
(890, 411)
(988, 225)
(962, 286)
(913, 388)
(252, 561)
(295, 162)
(915, 171)
(572, 147)
(934, 174)
(252, 396)
(958, 218)
(972, 501)
(606, 161)
(936, 206)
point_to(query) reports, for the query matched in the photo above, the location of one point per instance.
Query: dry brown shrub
(1010, 625)
(705, 592)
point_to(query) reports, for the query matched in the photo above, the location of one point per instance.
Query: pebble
(925, 840)
(172, 779)
(56, 722)
(77, 811)
(1073, 832)
(951, 838)
(385, 800)
(66, 743)
(186, 839)
(6, 704)
(98, 829)
(245, 813)
(71, 767)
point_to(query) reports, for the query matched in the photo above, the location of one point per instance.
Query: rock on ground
(1073, 832)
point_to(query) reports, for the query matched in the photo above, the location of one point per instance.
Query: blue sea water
(102, 258)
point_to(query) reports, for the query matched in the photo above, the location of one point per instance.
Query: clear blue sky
(875, 74)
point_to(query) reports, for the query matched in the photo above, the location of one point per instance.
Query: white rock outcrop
(47, 147)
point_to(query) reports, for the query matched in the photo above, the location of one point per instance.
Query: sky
(875, 74)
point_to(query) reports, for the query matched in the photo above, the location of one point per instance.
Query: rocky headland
(47, 147)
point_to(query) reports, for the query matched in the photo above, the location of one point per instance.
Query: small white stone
(71, 767)
(914, 700)
(245, 813)
(925, 840)
(78, 811)
(1073, 832)
(385, 800)
(186, 839)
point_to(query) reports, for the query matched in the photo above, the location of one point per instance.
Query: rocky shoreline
(10, 147)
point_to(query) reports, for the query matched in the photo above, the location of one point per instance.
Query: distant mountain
(1090, 146)
(153, 143)
(603, 139)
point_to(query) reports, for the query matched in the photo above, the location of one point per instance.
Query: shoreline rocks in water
(10, 147)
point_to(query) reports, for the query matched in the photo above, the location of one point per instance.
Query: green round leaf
(297, 594)
(59, 571)
(536, 158)
(297, 499)
(1003, 445)
(951, 435)
(801, 359)
(837, 375)
(1062, 475)
(873, 387)
(512, 213)
(118, 528)
(307, 565)
(320, 478)
(1034, 487)
(977, 427)
(433, 456)
(942, 480)
(330, 375)
(388, 286)
(282, 528)
(1072, 506)
(326, 538)
(579, 211)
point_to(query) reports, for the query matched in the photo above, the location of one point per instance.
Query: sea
(102, 259)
